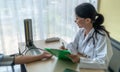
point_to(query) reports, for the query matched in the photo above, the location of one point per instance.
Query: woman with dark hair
(91, 45)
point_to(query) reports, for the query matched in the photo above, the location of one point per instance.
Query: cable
(23, 51)
(33, 48)
(12, 66)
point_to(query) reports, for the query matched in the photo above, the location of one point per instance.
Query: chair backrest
(114, 64)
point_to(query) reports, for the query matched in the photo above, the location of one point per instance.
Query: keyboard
(33, 51)
(52, 39)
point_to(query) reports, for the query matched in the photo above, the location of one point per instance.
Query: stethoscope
(83, 51)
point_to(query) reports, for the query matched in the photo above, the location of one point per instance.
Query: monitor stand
(33, 50)
(29, 38)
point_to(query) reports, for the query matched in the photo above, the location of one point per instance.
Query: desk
(53, 64)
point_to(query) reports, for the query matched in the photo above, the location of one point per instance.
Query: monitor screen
(28, 32)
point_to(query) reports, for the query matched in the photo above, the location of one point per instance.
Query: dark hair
(87, 10)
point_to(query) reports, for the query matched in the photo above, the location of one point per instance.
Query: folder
(61, 54)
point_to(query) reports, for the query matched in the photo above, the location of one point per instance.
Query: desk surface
(53, 64)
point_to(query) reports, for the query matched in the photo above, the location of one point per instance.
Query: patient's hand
(46, 55)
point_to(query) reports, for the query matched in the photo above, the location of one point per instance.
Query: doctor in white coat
(91, 46)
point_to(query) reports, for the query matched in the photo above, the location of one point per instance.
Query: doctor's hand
(63, 48)
(74, 58)
(46, 55)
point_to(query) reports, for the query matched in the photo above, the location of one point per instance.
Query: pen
(63, 44)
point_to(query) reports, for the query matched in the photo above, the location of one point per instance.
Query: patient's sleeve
(6, 60)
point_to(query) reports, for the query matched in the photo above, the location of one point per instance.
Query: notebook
(61, 54)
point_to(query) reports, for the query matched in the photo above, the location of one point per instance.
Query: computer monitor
(28, 32)
(29, 38)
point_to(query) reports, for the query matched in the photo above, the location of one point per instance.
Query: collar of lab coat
(89, 34)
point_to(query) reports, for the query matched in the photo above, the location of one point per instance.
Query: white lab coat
(98, 55)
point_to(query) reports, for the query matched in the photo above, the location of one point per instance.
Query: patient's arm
(28, 59)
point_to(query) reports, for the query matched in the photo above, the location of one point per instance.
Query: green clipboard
(61, 54)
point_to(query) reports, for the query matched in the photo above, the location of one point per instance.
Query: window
(49, 18)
